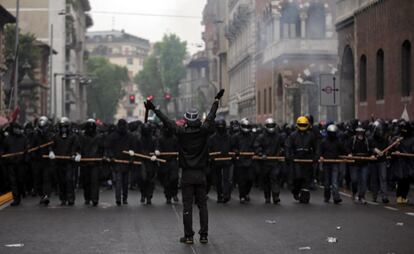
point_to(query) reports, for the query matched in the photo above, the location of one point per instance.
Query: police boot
(187, 240)
(304, 196)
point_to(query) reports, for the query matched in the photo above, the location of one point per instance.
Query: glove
(157, 153)
(131, 153)
(52, 155)
(264, 157)
(149, 105)
(107, 159)
(78, 157)
(153, 158)
(220, 94)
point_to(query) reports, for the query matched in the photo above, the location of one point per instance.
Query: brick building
(375, 58)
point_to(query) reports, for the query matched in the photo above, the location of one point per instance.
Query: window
(363, 79)
(130, 61)
(380, 74)
(270, 100)
(290, 21)
(259, 103)
(264, 102)
(406, 69)
(316, 24)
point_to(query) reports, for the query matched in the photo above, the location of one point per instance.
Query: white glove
(153, 158)
(52, 155)
(157, 153)
(131, 153)
(78, 157)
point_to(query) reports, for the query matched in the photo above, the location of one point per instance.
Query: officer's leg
(201, 200)
(13, 174)
(275, 181)
(334, 183)
(218, 180)
(85, 175)
(327, 181)
(265, 181)
(354, 173)
(383, 181)
(250, 180)
(94, 184)
(241, 177)
(227, 184)
(173, 181)
(374, 180)
(124, 184)
(61, 177)
(118, 186)
(363, 181)
(70, 182)
(151, 175)
(187, 191)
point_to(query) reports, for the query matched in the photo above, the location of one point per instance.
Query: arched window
(380, 75)
(406, 69)
(363, 79)
(316, 24)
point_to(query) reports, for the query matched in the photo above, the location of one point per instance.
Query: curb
(6, 198)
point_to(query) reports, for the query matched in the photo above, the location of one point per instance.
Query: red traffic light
(167, 96)
(132, 99)
(150, 98)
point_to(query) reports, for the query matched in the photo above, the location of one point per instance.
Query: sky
(107, 15)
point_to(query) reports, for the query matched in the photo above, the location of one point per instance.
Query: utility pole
(16, 62)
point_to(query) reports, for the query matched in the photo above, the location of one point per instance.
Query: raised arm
(170, 124)
(212, 114)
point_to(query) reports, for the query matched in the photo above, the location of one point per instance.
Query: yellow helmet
(302, 123)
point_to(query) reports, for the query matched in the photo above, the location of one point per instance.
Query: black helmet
(192, 118)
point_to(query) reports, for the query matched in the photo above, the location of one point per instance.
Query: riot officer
(243, 143)
(193, 157)
(359, 146)
(148, 145)
(116, 143)
(66, 149)
(15, 143)
(168, 172)
(269, 144)
(91, 146)
(331, 148)
(301, 145)
(378, 168)
(221, 174)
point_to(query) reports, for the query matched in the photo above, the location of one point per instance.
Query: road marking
(345, 194)
(391, 208)
(411, 214)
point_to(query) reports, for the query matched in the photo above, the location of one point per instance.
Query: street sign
(329, 90)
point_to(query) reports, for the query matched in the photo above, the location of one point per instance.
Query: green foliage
(163, 69)
(28, 51)
(106, 89)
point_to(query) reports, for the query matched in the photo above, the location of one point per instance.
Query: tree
(105, 90)
(163, 70)
(28, 51)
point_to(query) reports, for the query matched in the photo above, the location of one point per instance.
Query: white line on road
(391, 208)
(411, 214)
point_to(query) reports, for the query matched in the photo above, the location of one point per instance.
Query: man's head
(192, 118)
(270, 125)
(245, 125)
(122, 126)
(221, 126)
(64, 127)
(332, 131)
(302, 123)
(90, 127)
(360, 132)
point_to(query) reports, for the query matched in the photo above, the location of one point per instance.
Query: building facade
(297, 45)
(214, 36)
(376, 58)
(241, 34)
(125, 50)
(61, 25)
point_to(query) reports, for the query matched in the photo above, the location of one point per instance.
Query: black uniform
(221, 170)
(147, 145)
(168, 172)
(243, 142)
(193, 158)
(91, 146)
(301, 145)
(269, 144)
(117, 142)
(15, 142)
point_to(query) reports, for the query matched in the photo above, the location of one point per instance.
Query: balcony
(300, 46)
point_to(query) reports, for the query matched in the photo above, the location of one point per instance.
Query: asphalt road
(254, 228)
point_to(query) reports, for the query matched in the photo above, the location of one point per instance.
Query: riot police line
(42, 158)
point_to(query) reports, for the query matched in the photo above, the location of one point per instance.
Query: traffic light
(150, 98)
(132, 99)
(167, 96)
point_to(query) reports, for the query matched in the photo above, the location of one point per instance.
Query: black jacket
(243, 142)
(220, 142)
(331, 148)
(302, 145)
(268, 144)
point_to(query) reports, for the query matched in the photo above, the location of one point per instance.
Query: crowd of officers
(42, 158)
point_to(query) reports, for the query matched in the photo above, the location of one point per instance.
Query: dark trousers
(90, 181)
(197, 192)
(37, 176)
(302, 172)
(168, 175)
(66, 181)
(245, 180)
(222, 179)
(359, 178)
(379, 179)
(16, 180)
(403, 187)
(121, 185)
(149, 174)
(47, 173)
(270, 179)
(331, 173)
